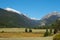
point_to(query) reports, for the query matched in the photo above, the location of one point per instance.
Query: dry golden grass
(18, 35)
(20, 32)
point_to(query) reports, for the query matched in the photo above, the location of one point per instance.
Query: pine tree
(26, 30)
(46, 33)
(50, 30)
(55, 31)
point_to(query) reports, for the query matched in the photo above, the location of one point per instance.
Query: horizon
(35, 9)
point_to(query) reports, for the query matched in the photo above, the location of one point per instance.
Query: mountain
(13, 10)
(9, 18)
(50, 18)
(12, 18)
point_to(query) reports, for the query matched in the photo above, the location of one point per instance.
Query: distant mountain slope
(50, 18)
(13, 19)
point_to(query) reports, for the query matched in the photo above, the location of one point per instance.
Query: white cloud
(13, 10)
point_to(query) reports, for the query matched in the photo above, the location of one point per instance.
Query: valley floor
(28, 38)
(19, 35)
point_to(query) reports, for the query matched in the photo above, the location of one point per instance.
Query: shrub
(2, 32)
(57, 37)
(30, 30)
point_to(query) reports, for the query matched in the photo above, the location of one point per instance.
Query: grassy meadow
(20, 32)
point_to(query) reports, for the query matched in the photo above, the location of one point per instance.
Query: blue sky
(32, 8)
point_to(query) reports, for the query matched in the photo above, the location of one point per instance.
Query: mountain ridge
(11, 19)
(50, 18)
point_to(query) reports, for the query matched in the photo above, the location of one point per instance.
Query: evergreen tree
(55, 31)
(56, 26)
(50, 30)
(26, 30)
(46, 33)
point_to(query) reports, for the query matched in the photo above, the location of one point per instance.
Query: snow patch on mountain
(13, 10)
(51, 14)
(35, 19)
